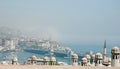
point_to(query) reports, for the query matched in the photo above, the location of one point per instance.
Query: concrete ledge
(51, 67)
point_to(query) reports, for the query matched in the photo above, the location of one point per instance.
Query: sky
(64, 20)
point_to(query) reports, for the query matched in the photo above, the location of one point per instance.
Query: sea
(79, 48)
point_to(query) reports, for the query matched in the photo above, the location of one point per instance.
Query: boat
(46, 47)
(57, 52)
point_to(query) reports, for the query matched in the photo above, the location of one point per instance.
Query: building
(41, 61)
(74, 59)
(98, 59)
(115, 61)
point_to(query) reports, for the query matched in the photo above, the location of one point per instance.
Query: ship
(44, 47)
(57, 52)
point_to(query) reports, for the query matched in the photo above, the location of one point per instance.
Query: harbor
(23, 51)
(26, 49)
(51, 53)
(59, 34)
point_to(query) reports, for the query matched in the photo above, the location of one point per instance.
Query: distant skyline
(64, 20)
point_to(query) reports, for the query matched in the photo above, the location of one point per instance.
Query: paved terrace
(51, 67)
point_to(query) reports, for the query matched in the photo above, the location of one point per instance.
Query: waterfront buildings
(8, 43)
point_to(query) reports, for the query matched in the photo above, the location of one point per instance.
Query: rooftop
(51, 67)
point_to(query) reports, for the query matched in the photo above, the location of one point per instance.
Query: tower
(53, 61)
(88, 59)
(74, 59)
(109, 61)
(84, 62)
(33, 59)
(46, 60)
(98, 59)
(93, 60)
(115, 57)
(104, 55)
(14, 61)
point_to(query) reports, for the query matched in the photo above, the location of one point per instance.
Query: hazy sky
(67, 20)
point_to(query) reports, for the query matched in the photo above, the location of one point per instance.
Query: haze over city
(64, 20)
(60, 34)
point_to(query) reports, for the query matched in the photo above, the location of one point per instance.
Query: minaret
(104, 55)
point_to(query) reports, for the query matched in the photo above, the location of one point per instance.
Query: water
(81, 48)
